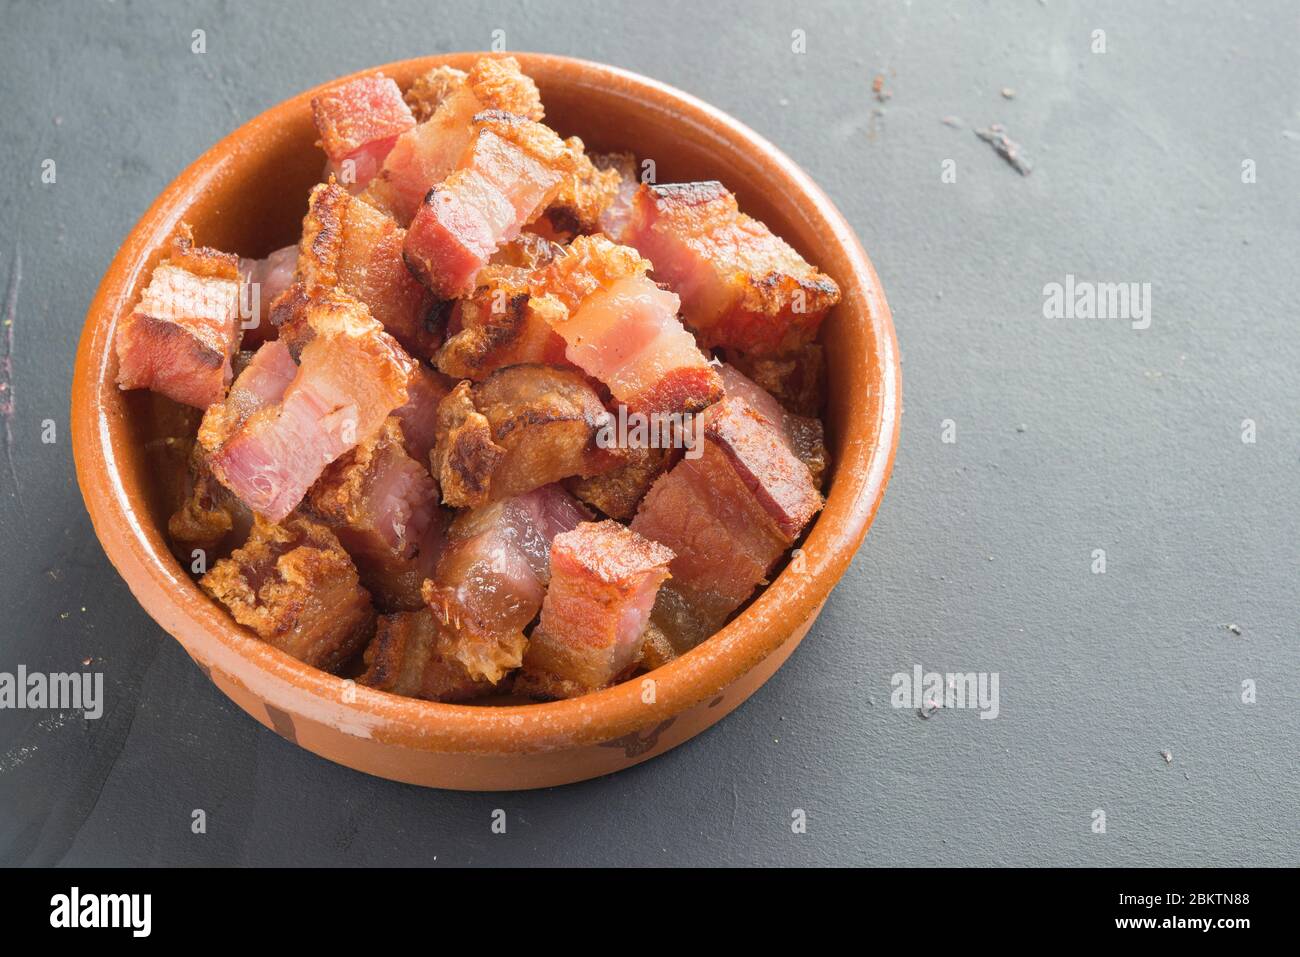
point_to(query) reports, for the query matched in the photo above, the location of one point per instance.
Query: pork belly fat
(181, 335)
(728, 516)
(410, 655)
(263, 282)
(383, 506)
(741, 286)
(358, 123)
(349, 245)
(425, 389)
(297, 589)
(493, 574)
(424, 155)
(504, 180)
(523, 427)
(350, 377)
(622, 329)
(604, 578)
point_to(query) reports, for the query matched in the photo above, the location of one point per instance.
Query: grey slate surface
(981, 557)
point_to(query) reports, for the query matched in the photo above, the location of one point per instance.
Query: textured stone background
(1072, 435)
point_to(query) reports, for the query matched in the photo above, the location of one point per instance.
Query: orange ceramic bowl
(248, 195)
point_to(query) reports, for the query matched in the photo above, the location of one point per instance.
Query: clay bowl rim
(138, 550)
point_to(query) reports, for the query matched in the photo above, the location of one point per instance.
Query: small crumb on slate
(1022, 427)
(1006, 147)
(1168, 756)
(1235, 629)
(953, 121)
(86, 661)
(1008, 93)
(878, 88)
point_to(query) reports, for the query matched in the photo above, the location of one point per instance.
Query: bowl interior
(249, 193)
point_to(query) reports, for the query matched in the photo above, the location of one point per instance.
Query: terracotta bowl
(248, 195)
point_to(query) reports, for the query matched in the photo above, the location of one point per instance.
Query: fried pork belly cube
(359, 121)
(622, 329)
(522, 427)
(493, 575)
(614, 218)
(383, 506)
(427, 93)
(424, 155)
(604, 579)
(584, 195)
(728, 515)
(619, 491)
(179, 338)
(510, 173)
(261, 383)
(410, 655)
(297, 589)
(741, 286)
(350, 377)
(349, 245)
(425, 389)
(263, 282)
(209, 518)
(801, 434)
(500, 324)
(795, 380)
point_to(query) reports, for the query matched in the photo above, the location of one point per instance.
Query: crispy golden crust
(585, 193)
(589, 263)
(430, 89)
(618, 492)
(539, 141)
(465, 456)
(202, 260)
(794, 380)
(209, 517)
(501, 324)
(656, 649)
(297, 589)
(523, 427)
(411, 655)
(499, 84)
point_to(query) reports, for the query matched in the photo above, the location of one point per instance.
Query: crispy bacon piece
(430, 89)
(263, 282)
(741, 286)
(511, 171)
(619, 491)
(493, 575)
(209, 517)
(584, 195)
(353, 247)
(614, 218)
(411, 655)
(801, 434)
(523, 427)
(794, 380)
(295, 586)
(728, 515)
(500, 324)
(424, 155)
(622, 329)
(358, 123)
(604, 578)
(425, 389)
(351, 375)
(383, 506)
(181, 335)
